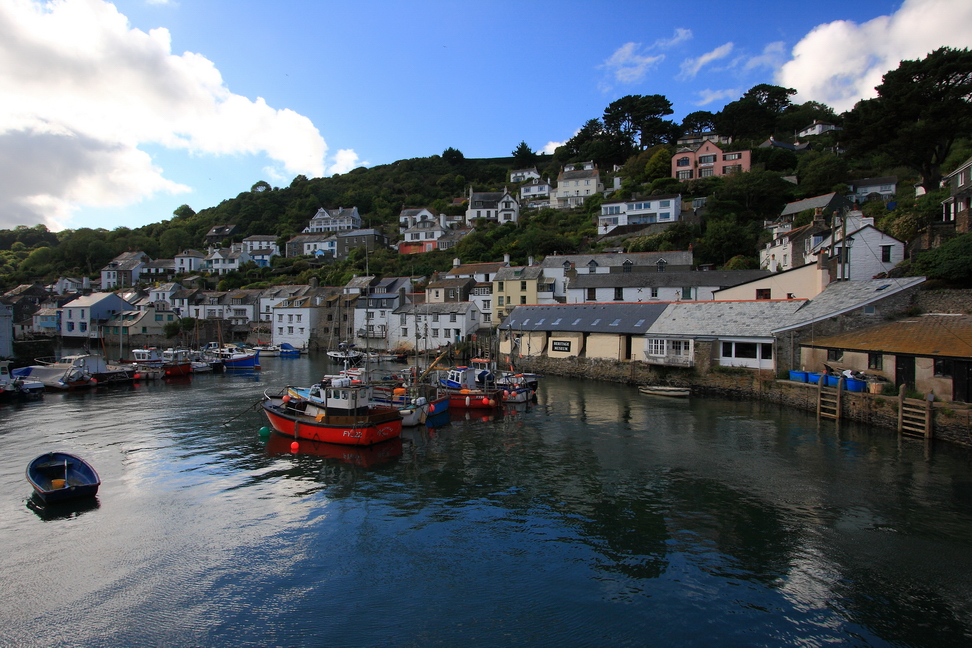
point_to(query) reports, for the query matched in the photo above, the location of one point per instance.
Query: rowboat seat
(54, 464)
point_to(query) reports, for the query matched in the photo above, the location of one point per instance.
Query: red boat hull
(175, 369)
(475, 399)
(379, 426)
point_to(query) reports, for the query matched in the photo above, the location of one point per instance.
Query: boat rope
(249, 408)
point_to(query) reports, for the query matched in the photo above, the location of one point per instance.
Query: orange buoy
(286, 398)
(485, 401)
(294, 446)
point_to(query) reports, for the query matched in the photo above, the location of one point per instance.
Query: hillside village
(693, 248)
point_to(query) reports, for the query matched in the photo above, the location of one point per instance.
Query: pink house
(706, 160)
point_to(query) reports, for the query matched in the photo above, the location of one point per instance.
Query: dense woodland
(918, 128)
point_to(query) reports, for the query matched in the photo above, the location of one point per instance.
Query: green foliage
(922, 108)
(523, 156)
(952, 262)
(172, 329)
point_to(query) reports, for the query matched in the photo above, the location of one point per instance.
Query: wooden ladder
(829, 399)
(915, 416)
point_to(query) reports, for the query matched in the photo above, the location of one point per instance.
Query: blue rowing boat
(59, 476)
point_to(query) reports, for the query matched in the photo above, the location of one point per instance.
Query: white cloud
(345, 160)
(82, 91)
(626, 65)
(691, 67)
(708, 96)
(550, 147)
(680, 36)
(772, 57)
(841, 62)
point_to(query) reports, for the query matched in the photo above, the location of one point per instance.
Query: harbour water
(596, 516)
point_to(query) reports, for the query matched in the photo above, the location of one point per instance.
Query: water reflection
(49, 512)
(595, 515)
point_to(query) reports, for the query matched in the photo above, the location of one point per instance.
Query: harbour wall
(952, 421)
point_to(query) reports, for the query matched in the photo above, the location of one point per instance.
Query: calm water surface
(595, 517)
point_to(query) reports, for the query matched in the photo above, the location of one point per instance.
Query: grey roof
(585, 318)
(477, 268)
(870, 182)
(720, 278)
(581, 174)
(446, 308)
(518, 273)
(723, 318)
(808, 203)
(842, 296)
(453, 282)
(360, 282)
(675, 257)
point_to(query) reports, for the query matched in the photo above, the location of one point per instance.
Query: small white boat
(665, 390)
(267, 350)
(12, 387)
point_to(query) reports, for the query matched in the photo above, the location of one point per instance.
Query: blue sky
(116, 114)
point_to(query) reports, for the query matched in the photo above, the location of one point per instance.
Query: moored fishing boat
(416, 403)
(334, 411)
(288, 350)
(267, 350)
(13, 388)
(59, 375)
(59, 476)
(176, 363)
(460, 383)
(145, 357)
(233, 357)
(346, 353)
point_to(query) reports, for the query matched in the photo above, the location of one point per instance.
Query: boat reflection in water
(364, 456)
(50, 511)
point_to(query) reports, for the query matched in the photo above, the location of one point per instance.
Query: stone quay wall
(952, 421)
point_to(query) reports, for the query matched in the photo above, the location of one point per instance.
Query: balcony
(375, 332)
(670, 360)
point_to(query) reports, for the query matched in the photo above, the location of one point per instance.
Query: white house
(374, 311)
(655, 286)
(296, 318)
(429, 326)
(643, 211)
(575, 184)
(334, 220)
(864, 251)
(223, 260)
(497, 206)
(519, 175)
(868, 188)
(273, 295)
(536, 193)
(261, 248)
(559, 269)
(82, 317)
(189, 261)
(124, 270)
(817, 128)
(409, 217)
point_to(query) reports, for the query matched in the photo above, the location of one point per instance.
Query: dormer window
(566, 265)
(661, 263)
(626, 266)
(592, 266)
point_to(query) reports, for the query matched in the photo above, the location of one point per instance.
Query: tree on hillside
(523, 156)
(921, 109)
(755, 114)
(453, 156)
(638, 120)
(700, 121)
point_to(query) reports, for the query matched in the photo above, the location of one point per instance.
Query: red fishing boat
(340, 412)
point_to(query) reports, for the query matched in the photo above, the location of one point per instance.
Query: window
(619, 294)
(885, 254)
(707, 159)
(766, 351)
(763, 293)
(592, 294)
(290, 330)
(499, 301)
(522, 286)
(626, 267)
(522, 299)
(499, 287)
(70, 326)
(731, 156)
(731, 168)
(875, 361)
(158, 317)
(654, 293)
(404, 332)
(706, 172)
(435, 332)
(687, 293)
(83, 326)
(684, 175)
(943, 368)
(835, 355)
(401, 318)
(452, 317)
(656, 347)
(683, 162)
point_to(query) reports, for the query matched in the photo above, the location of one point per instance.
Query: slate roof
(623, 319)
(360, 282)
(581, 174)
(674, 257)
(929, 335)
(518, 273)
(477, 268)
(436, 309)
(794, 208)
(723, 319)
(453, 282)
(840, 297)
(721, 278)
